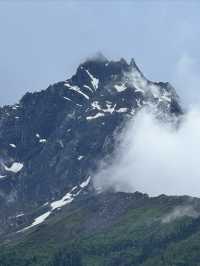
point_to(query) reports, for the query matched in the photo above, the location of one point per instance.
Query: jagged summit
(106, 70)
(106, 76)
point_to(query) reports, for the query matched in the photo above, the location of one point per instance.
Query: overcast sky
(43, 42)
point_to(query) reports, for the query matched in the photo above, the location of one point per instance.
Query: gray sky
(43, 42)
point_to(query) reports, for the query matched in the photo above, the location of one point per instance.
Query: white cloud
(179, 212)
(155, 158)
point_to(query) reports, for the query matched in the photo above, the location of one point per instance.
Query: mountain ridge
(51, 145)
(100, 97)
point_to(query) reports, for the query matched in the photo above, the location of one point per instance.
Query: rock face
(52, 140)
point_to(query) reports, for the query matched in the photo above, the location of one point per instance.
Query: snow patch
(15, 167)
(85, 183)
(12, 145)
(66, 199)
(109, 108)
(15, 107)
(67, 98)
(77, 89)
(120, 88)
(19, 215)
(122, 110)
(67, 84)
(40, 219)
(95, 116)
(87, 87)
(96, 105)
(42, 141)
(94, 81)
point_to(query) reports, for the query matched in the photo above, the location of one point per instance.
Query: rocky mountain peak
(52, 141)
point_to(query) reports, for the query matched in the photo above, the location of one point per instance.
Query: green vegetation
(137, 237)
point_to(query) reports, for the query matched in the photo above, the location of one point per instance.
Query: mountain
(51, 144)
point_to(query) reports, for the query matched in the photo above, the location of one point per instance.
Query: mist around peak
(155, 157)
